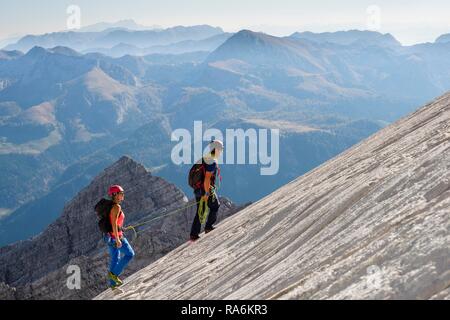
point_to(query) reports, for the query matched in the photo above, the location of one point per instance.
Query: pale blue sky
(409, 21)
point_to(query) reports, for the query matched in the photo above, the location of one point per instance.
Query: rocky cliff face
(6, 292)
(39, 268)
(372, 223)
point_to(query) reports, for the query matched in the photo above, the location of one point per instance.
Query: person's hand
(118, 243)
(205, 198)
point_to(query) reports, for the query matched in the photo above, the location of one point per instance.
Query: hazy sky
(409, 21)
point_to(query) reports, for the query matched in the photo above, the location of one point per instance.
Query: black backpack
(197, 175)
(103, 209)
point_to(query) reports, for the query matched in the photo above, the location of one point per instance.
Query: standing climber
(117, 243)
(205, 188)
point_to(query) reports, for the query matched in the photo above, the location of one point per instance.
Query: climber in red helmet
(116, 241)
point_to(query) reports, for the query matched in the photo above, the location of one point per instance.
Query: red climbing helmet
(114, 189)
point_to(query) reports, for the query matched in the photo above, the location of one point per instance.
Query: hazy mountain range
(129, 24)
(114, 36)
(65, 115)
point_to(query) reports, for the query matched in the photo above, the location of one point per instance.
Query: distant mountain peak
(247, 37)
(246, 33)
(445, 38)
(8, 55)
(121, 24)
(65, 51)
(124, 166)
(258, 48)
(97, 80)
(127, 163)
(36, 51)
(348, 37)
(198, 26)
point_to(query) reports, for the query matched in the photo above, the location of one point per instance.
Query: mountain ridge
(81, 40)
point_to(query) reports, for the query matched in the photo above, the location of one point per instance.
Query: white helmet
(216, 144)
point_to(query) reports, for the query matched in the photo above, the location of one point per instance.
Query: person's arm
(115, 211)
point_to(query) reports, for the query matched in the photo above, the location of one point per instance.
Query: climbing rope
(203, 211)
(133, 227)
